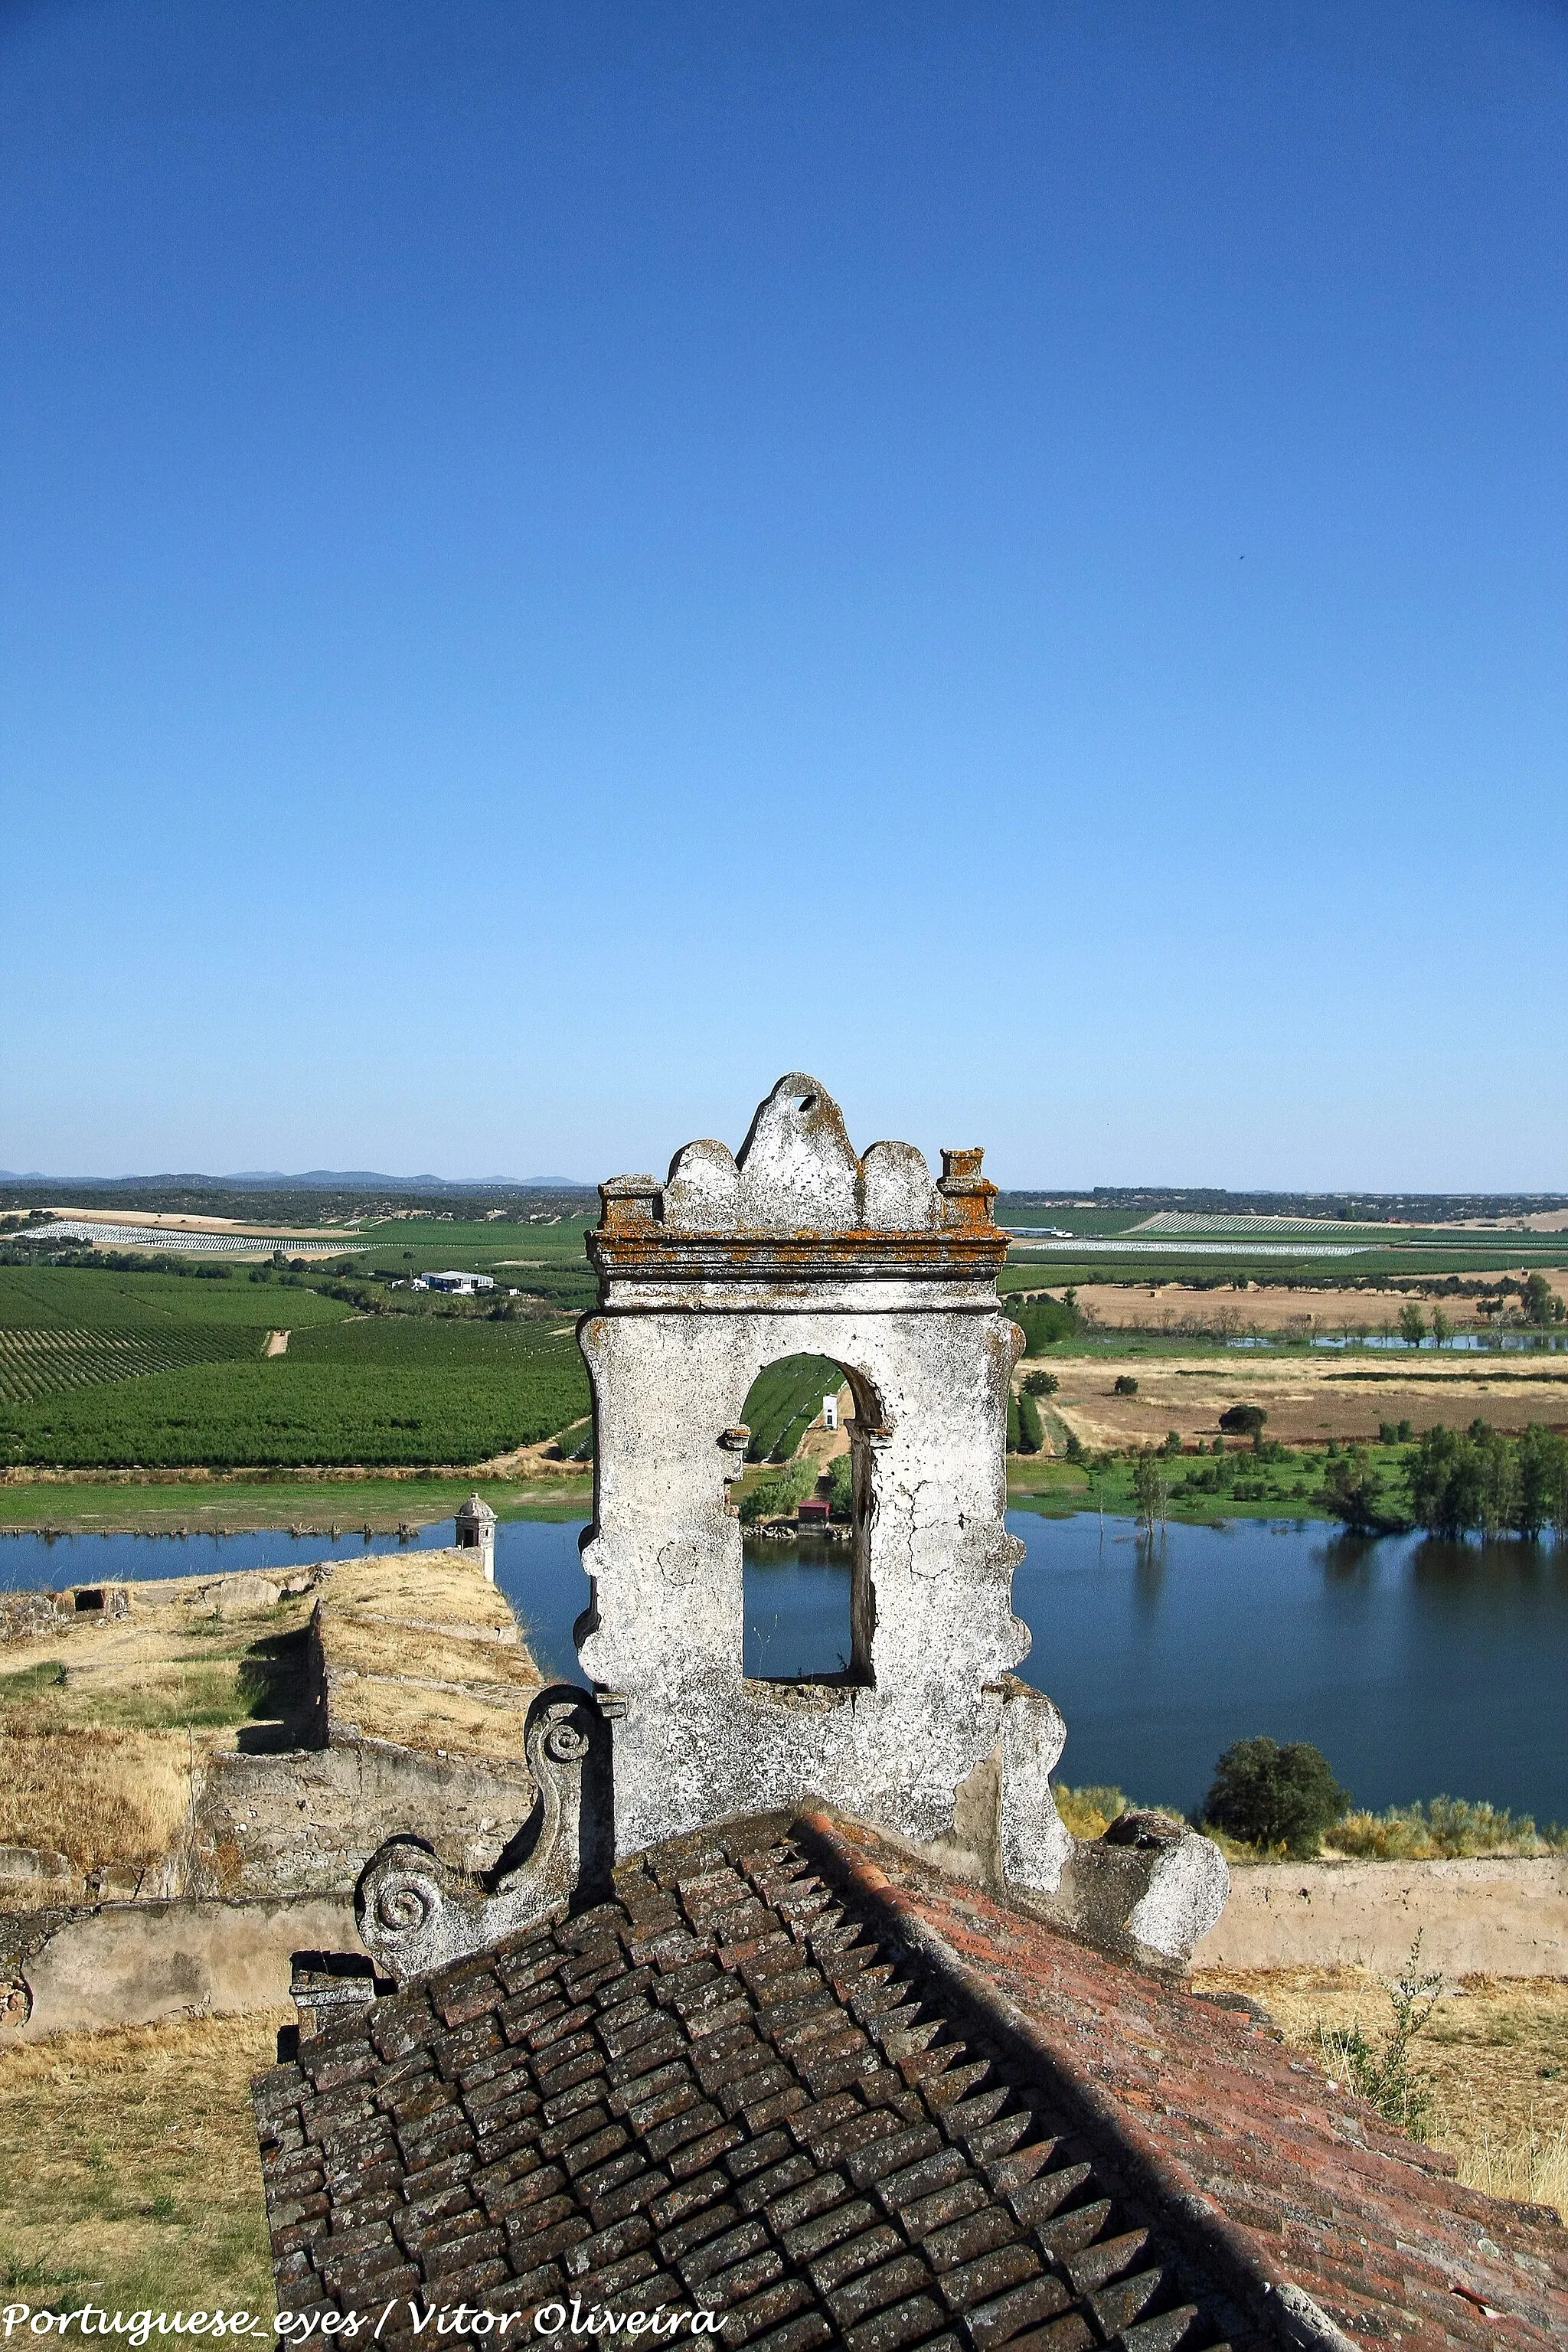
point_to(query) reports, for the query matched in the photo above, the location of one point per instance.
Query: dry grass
(1308, 1398)
(127, 2167)
(97, 1796)
(414, 1715)
(393, 1628)
(1494, 2058)
(1327, 1307)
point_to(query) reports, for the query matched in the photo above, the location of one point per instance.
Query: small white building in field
(830, 1411)
(463, 1284)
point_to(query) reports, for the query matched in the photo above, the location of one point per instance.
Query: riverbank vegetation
(1482, 1481)
(1435, 1828)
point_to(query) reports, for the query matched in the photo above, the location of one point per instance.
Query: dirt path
(277, 1344)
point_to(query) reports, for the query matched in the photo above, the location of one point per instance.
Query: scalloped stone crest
(798, 1172)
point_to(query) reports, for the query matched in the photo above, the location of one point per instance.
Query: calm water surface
(1418, 1667)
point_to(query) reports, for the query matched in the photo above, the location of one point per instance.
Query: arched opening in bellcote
(806, 1501)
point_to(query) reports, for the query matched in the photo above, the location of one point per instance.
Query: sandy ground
(1494, 2054)
(277, 1344)
(1150, 1305)
(1308, 1399)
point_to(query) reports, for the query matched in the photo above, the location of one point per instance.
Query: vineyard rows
(284, 1411)
(40, 1363)
(783, 1400)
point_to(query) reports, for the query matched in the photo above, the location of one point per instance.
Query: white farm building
(464, 1284)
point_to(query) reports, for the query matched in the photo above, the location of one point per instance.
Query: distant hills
(315, 1179)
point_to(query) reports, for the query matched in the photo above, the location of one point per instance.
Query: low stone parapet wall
(1504, 1917)
(134, 1963)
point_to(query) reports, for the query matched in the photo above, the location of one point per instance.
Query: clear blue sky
(558, 561)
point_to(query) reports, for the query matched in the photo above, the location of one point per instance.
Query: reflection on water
(1419, 1667)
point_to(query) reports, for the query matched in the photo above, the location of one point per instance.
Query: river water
(1418, 1667)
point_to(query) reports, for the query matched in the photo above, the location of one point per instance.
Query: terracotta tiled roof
(783, 2075)
(1291, 2177)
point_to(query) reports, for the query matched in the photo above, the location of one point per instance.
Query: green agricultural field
(50, 1360)
(783, 1400)
(384, 1390)
(434, 1343)
(84, 1298)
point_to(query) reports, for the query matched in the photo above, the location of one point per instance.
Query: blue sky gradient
(568, 559)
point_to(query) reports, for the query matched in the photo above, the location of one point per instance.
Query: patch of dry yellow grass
(395, 1629)
(127, 2163)
(414, 1715)
(97, 1796)
(1495, 2057)
(1308, 1398)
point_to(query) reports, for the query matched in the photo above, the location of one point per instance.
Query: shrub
(1268, 1795)
(1443, 1829)
(1173, 1444)
(1243, 1421)
(1030, 1437)
(1125, 1385)
(1383, 2075)
(1039, 1384)
(1087, 1812)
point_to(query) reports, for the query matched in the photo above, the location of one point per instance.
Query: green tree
(1442, 1329)
(1540, 1301)
(772, 1498)
(1499, 1481)
(1039, 1384)
(1244, 1420)
(1013, 1429)
(1031, 1435)
(1411, 1324)
(841, 1488)
(1046, 1321)
(1151, 1491)
(1173, 1444)
(1542, 1468)
(1445, 1480)
(1125, 1385)
(1350, 1492)
(1268, 1795)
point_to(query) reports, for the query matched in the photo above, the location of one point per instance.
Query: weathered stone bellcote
(794, 1247)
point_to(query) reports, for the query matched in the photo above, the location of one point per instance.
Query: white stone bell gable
(798, 1246)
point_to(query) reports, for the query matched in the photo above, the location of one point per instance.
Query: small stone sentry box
(799, 1247)
(476, 1532)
